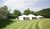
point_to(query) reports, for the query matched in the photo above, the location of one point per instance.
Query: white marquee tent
(30, 16)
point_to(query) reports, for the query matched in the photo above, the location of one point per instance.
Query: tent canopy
(39, 16)
(23, 16)
(31, 15)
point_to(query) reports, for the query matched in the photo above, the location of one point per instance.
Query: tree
(27, 11)
(32, 12)
(17, 13)
(11, 16)
(4, 7)
(3, 11)
(44, 12)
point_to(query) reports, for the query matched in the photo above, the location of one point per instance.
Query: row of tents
(29, 17)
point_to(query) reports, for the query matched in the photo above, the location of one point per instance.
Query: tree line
(5, 14)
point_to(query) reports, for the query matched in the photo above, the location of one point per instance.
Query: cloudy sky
(21, 5)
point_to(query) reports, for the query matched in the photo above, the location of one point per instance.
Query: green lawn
(29, 24)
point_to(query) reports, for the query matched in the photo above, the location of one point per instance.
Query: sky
(34, 5)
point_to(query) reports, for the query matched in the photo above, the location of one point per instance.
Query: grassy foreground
(29, 24)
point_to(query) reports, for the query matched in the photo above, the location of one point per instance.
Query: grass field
(29, 24)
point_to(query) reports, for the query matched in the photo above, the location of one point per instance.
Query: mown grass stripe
(15, 24)
(45, 24)
(18, 25)
(31, 25)
(23, 25)
(34, 25)
(37, 27)
(26, 25)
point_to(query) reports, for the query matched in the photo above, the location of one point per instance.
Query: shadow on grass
(5, 22)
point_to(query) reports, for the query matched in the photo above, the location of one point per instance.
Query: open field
(29, 24)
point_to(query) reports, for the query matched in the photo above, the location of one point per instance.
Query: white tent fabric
(30, 16)
(21, 17)
(38, 17)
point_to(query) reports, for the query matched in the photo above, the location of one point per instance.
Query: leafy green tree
(27, 11)
(44, 12)
(3, 11)
(4, 7)
(17, 13)
(32, 12)
(11, 16)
